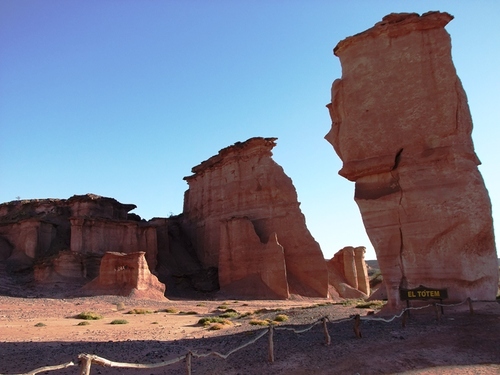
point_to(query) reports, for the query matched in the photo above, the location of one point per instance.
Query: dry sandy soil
(459, 343)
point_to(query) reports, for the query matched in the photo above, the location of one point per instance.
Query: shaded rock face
(402, 127)
(244, 181)
(98, 236)
(125, 275)
(348, 273)
(250, 268)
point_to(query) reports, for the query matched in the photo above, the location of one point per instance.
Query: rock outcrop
(243, 181)
(126, 275)
(402, 127)
(63, 239)
(348, 273)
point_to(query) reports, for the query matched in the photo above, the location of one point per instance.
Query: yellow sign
(423, 293)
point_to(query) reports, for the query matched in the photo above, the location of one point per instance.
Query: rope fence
(85, 361)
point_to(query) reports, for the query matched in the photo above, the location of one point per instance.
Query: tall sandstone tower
(402, 127)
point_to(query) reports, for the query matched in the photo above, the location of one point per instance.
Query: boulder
(244, 181)
(125, 275)
(402, 127)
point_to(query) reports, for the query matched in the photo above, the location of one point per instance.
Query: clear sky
(122, 98)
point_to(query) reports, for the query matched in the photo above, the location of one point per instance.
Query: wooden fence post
(357, 322)
(437, 309)
(271, 343)
(189, 356)
(85, 363)
(471, 309)
(405, 317)
(327, 335)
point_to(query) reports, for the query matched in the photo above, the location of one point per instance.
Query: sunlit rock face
(348, 273)
(243, 181)
(402, 127)
(65, 239)
(125, 275)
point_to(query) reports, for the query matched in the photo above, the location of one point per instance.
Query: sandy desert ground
(459, 343)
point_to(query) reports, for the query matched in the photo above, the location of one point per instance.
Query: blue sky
(123, 98)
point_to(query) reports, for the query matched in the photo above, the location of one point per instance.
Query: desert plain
(458, 343)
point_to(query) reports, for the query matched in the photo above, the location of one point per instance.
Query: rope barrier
(86, 360)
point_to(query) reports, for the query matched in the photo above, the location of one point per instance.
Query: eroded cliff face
(243, 181)
(402, 127)
(54, 240)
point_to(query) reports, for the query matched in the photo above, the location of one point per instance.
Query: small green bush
(188, 312)
(89, 315)
(119, 321)
(84, 323)
(40, 324)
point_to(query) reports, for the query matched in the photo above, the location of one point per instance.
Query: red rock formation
(99, 236)
(248, 267)
(68, 237)
(244, 181)
(125, 275)
(66, 265)
(402, 127)
(348, 273)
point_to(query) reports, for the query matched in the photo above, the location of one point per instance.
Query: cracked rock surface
(402, 127)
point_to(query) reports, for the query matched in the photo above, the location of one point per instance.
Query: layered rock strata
(125, 275)
(402, 127)
(243, 181)
(66, 238)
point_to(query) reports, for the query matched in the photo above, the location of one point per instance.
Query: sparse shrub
(119, 321)
(259, 322)
(244, 315)
(216, 327)
(89, 315)
(140, 311)
(375, 304)
(40, 324)
(189, 312)
(120, 306)
(263, 311)
(230, 314)
(171, 310)
(281, 318)
(223, 307)
(213, 319)
(154, 323)
(84, 323)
